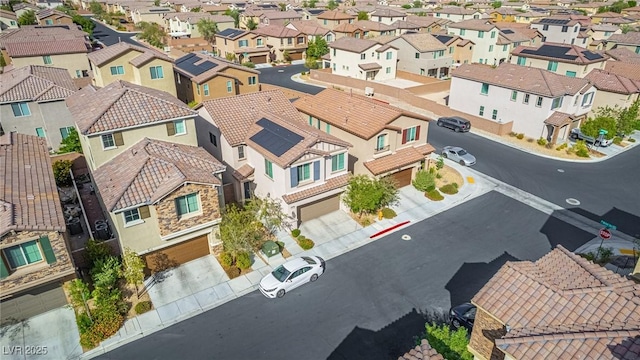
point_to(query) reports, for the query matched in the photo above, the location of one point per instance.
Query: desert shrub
(562, 146)
(438, 176)
(455, 185)
(430, 188)
(142, 307)
(440, 163)
(84, 323)
(542, 141)
(365, 222)
(434, 195)
(90, 339)
(449, 189)
(631, 140)
(226, 259)
(549, 145)
(295, 233)
(520, 136)
(107, 323)
(306, 244)
(617, 140)
(581, 149)
(388, 213)
(233, 272)
(423, 180)
(513, 134)
(301, 237)
(121, 28)
(605, 254)
(432, 170)
(589, 256)
(243, 260)
(530, 140)
(249, 64)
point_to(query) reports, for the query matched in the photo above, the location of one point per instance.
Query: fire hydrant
(379, 214)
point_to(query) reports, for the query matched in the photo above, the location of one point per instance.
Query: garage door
(177, 254)
(32, 302)
(296, 56)
(402, 178)
(262, 59)
(319, 208)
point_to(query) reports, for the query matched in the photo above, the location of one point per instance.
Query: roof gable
(606, 81)
(35, 83)
(115, 51)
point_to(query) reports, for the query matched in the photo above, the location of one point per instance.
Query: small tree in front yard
(593, 125)
(451, 344)
(240, 230)
(269, 212)
(133, 269)
(366, 195)
(424, 181)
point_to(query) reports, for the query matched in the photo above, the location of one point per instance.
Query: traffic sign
(607, 225)
(605, 234)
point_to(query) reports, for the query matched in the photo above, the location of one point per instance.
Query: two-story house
(602, 32)
(60, 46)
(504, 14)
(564, 59)
(483, 33)
(8, 20)
(48, 17)
(387, 16)
(242, 46)
(457, 13)
(363, 59)
(510, 38)
(286, 44)
(201, 77)
(423, 54)
(35, 259)
(462, 52)
(370, 29)
(387, 141)
(558, 29)
(20, 8)
(428, 24)
(630, 40)
(32, 103)
(135, 64)
(270, 152)
(312, 30)
(529, 16)
(281, 18)
(149, 14)
(540, 103)
(614, 90)
(186, 24)
(330, 19)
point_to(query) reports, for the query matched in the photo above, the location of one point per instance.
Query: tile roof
(352, 44)
(33, 40)
(234, 115)
(523, 78)
(402, 157)
(387, 12)
(345, 28)
(624, 54)
(456, 10)
(335, 15)
(423, 42)
(424, 351)
(277, 31)
(610, 82)
(8, 14)
(40, 48)
(562, 297)
(565, 53)
(356, 114)
(36, 83)
(200, 68)
(51, 12)
(401, 24)
(121, 105)
(309, 27)
(630, 70)
(331, 184)
(28, 194)
(243, 172)
(630, 38)
(194, 17)
(368, 25)
(281, 15)
(559, 119)
(151, 169)
(474, 24)
(112, 52)
(370, 66)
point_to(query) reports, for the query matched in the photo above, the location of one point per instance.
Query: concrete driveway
(329, 227)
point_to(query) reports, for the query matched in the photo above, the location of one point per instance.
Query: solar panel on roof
(507, 31)
(558, 52)
(443, 38)
(275, 138)
(187, 63)
(591, 55)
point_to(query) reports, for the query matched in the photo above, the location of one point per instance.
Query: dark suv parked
(456, 123)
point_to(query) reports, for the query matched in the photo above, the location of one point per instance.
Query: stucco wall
(51, 116)
(562, 69)
(71, 62)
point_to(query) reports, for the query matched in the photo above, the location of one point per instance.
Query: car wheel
(444, 155)
(280, 293)
(314, 277)
(455, 323)
(462, 163)
(457, 129)
(439, 123)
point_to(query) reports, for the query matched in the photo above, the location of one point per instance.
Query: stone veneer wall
(40, 272)
(485, 330)
(168, 220)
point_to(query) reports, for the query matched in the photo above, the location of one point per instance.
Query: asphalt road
(108, 37)
(369, 303)
(281, 76)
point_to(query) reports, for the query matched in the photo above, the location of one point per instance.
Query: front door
(247, 190)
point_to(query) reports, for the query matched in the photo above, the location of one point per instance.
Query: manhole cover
(572, 201)
(560, 170)
(406, 237)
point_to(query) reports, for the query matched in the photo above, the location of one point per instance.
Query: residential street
(273, 76)
(108, 37)
(344, 314)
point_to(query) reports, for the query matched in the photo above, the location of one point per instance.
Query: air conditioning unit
(368, 91)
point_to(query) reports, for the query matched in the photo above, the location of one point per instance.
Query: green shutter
(4, 272)
(48, 250)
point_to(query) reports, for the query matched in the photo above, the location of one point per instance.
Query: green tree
(240, 230)
(6, 7)
(632, 3)
(133, 269)
(86, 24)
(629, 119)
(282, 6)
(626, 28)
(106, 272)
(270, 213)
(251, 24)
(363, 15)
(235, 15)
(332, 5)
(71, 143)
(305, 4)
(452, 345)
(365, 195)
(417, 4)
(317, 48)
(27, 18)
(424, 181)
(61, 172)
(593, 125)
(196, 9)
(96, 8)
(312, 3)
(406, 6)
(152, 33)
(496, 4)
(208, 29)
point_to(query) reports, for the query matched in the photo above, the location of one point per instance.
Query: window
(490, 48)
(521, 60)
(557, 102)
(327, 127)
(552, 66)
(607, 33)
(65, 131)
(389, 55)
(289, 41)
(310, 120)
(494, 114)
(545, 27)
(381, 142)
(388, 70)
(23, 254)
(481, 113)
(363, 56)
(48, 22)
(324, 22)
(417, 55)
(337, 162)
(131, 216)
(637, 49)
(187, 204)
(180, 127)
(40, 132)
(229, 87)
(243, 43)
(268, 168)
(334, 66)
(462, 32)
(570, 73)
(205, 88)
(259, 42)
(79, 74)
(539, 101)
(586, 99)
(156, 72)
(20, 109)
(47, 60)
(480, 34)
(480, 60)
(451, 49)
(117, 70)
(213, 139)
(241, 152)
(565, 28)
(252, 80)
(526, 99)
(198, 88)
(411, 134)
(304, 172)
(485, 89)
(514, 95)
(504, 47)
(493, 34)
(334, 52)
(108, 141)
(300, 40)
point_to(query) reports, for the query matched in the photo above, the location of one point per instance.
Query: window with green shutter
(268, 168)
(27, 253)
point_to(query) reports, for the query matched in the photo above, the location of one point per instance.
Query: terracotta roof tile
(424, 351)
(606, 81)
(150, 169)
(335, 15)
(474, 24)
(42, 34)
(400, 158)
(40, 48)
(331, 184)
(309, 27)
(36, 83)
(352, 44)
(629, 70)
(28, 195)
(109, 53)
(243, 172)
(277, 31)
(370, 66)
(624, 54)
(367, 25)
(630, 38)
(424, 42)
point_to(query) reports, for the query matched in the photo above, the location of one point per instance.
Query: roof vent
(30, 197)
(27, 166)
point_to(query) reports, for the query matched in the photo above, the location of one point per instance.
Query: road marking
(560, 170)
(572, 201)
(406, 237)
(470, 180)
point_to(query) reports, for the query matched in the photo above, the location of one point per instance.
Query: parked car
(463, 315)
(292, 274)
(576, 134)
(458, 155)
(456, 123)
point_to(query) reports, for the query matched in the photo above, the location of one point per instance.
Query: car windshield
(309, 260)
(281, 273)
(462, 152)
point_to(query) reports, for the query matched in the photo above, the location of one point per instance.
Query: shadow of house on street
(559, 232)
(625, 222)
(390, 342)
(471, 277)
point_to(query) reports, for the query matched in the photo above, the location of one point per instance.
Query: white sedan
(291, 274)
(458, 155)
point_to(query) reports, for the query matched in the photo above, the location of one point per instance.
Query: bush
(631, 140)
(305, 243)
(192, 104)
(449, 189)
(513, 134)
(563, 146)
(431, 188)
(301, 237)
(243, 260)
(549, 146)
(455, 185)
(434, 195)
(589, 256)
(90, 339)
(438, 176)
(388, 213)
(451, 344)
(280, 245)
(142, 307)
(530, 140)
(581, 149)
(233, 272)
(440, 163)
(295, 233)
(249, 64)
(226, 259)
(84, 323)
(520, 136)
(617, 140)
(605, 254)
(61, 172)
(542, 141)
(423, 180)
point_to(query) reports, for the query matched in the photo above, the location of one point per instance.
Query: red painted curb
(389, 229)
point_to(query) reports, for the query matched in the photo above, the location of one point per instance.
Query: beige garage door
(319, 208)
(177, 254)
(296, 56)
(402, 178)
(32, 302)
